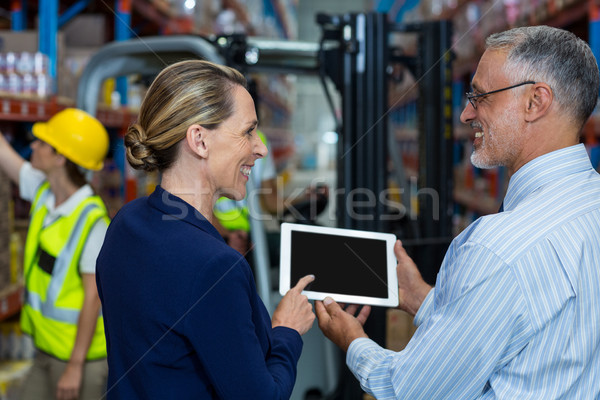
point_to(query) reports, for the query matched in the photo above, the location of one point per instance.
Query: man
(516, 307)
(66, 230)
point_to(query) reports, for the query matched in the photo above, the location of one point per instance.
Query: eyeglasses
(473, 98)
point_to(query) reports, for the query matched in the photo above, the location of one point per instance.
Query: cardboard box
(18, 41)
(86, 30)
(399, 329)
(70, 69)
(83, 36)
(26, 41)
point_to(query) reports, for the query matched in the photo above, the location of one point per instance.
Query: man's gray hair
(556, 57)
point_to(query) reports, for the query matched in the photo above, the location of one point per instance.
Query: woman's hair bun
(139, 154)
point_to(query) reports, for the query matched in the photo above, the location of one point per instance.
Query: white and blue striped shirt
(515, 313)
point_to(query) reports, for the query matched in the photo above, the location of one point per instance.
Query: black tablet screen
(341, 264)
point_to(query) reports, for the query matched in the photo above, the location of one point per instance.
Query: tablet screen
(340, 264)
(350, 266)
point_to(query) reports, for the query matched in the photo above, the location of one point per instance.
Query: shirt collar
(67, 207)
(543, 170)
(176, 208)
(71, 203)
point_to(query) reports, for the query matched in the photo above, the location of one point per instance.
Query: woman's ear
(197, 140)
(60, 160)
(539, 101)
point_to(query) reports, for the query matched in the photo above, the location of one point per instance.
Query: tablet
(350, 266)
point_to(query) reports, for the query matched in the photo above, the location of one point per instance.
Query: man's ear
(197, 138)
(539, 100)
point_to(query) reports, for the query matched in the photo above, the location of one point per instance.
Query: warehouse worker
(516, 307)
(67, 226)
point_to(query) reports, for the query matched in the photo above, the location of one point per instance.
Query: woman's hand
(69, 383)
(294, 311)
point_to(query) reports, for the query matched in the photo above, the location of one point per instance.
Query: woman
(182, 315)
(68, 222)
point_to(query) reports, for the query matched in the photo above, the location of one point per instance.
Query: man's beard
(499, 144)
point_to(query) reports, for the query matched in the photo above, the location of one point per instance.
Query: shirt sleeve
(92, 246)
(223, 331)
(478, 322)
(425, 309)
(30, 180)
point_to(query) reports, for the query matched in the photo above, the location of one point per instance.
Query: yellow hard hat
(76, 135)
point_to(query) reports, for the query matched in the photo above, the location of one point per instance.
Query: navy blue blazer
(182, 316)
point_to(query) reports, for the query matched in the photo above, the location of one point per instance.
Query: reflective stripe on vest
(233, 215)
(40, 198)
(61, 267)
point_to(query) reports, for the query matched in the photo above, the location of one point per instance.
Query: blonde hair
(186, 93)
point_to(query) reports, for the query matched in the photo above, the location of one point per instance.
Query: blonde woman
(182, 315)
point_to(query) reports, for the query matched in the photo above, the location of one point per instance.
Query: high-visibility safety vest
(53, 287)
(233, 215)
